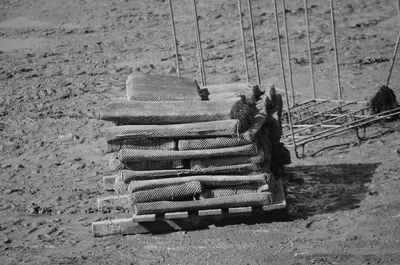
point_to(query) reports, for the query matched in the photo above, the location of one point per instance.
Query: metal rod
(288, 52)
(243, 41)
(323, 112)
(353, 116)
(199, 47)
(310, 57)
(316, 103)
(289, 115)
(327, 121)
(367, 119)
(178, 67)
(254, 43)
(330, 100)
(305, 103)
(305, 127)
(333, 22)
(398, 7)
(342, 101)
(354, 124)
(393, 59)
(322, 123)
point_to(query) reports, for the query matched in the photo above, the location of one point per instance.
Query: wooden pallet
(151, 223)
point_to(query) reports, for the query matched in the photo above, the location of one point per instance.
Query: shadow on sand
(327, 188)
(311, 190)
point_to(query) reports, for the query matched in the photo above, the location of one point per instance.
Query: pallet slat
(176, 215)
(240, 210)
(210, 212)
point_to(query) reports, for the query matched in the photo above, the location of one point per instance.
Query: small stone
(291, 197)
(66, 137)
(397, 151)
(290, 189)
(7, 241)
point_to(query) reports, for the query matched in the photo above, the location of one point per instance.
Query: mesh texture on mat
(243, 200)
(203, 129)
(124, 177)
(168, 193)
(222, 142)
(229, 191)
(174, 112)
(160, 86)
(126, 155)
(212, 143)
(207, 180)
(129, 175)
(116, 164)
(146, 144)
(224, 161)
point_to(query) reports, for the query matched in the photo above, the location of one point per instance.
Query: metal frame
(317, 119)
(313, 119)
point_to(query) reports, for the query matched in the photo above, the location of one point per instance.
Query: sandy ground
(62, 60)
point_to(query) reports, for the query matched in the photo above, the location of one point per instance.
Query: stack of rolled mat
(176, 147)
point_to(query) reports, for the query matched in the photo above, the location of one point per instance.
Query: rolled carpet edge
(229, 128)
(224, 160)
(126, 155)
(242, 200)
(168, 193)
(206, 180)
(171, 112)
(129, 175)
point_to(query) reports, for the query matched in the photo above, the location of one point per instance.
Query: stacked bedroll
(179, 151)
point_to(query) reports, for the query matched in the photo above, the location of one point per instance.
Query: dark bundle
(383, 100)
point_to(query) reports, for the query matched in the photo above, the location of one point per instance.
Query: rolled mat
(168, 193)
(116, 164)
(126, 155)
(148, 144)
(225, 161)
(207, 180)
(242, 200)
(190, 130)
(173, 112)
(140, 85)
(213, 143)
(229, 191)
(222, 142)
(124, 177)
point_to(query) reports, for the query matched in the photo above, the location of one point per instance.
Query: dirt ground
(60, 61)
